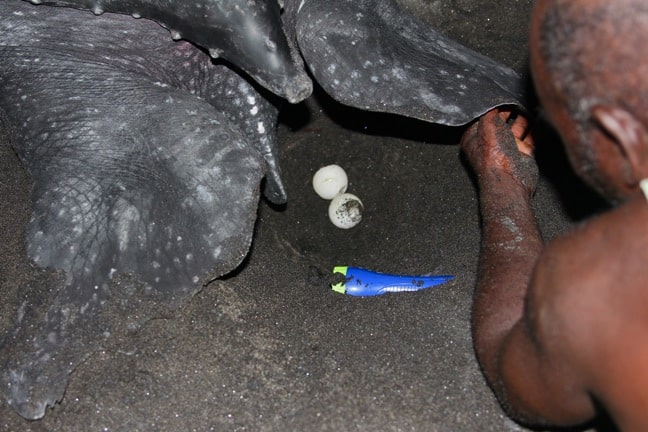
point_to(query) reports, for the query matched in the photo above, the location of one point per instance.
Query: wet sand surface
(271, 347)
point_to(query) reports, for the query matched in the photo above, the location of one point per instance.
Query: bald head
(593, 53)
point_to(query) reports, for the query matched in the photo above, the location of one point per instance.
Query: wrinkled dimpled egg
(345, 211)
(330, 181)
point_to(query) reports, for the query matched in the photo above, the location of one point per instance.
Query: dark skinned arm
(507, 342)
(550, 322)
(511, 241)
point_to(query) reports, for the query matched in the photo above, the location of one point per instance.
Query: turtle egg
(330, 181)
(345, 211)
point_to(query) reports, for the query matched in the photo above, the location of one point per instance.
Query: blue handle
(364, 283)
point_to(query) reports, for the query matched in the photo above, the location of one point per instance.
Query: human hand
(498, 143)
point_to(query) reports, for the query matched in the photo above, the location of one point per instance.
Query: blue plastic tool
(365, 283)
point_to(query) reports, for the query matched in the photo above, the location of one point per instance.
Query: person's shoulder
(601, 258)
(605, 247)
(607, 299)
(588, 299)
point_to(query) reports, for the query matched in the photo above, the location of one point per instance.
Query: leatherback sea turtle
(147, 154)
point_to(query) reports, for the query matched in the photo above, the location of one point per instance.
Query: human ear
(629, 134)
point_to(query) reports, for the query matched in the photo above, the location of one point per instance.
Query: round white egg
(345, 211)
(330, 181)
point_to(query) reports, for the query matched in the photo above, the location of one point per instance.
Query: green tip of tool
(340, 287)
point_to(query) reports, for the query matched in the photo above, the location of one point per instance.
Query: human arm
(505, 338)
(511, 240)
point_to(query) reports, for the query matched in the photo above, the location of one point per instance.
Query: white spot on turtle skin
(398, 73)
(195, 279)
(111, 273)
(175, 35)
(251, 100)
(128, 217)
(204, 194)
(261, 128)
(434, 101)
(52, 338)
(97, 10)
(216, 253)
(271, 45)
(254, 110)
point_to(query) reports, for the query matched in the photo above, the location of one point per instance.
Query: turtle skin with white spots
(146, 159)
(245, 32)
(147, 155)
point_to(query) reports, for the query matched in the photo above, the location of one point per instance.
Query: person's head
(589, 64)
